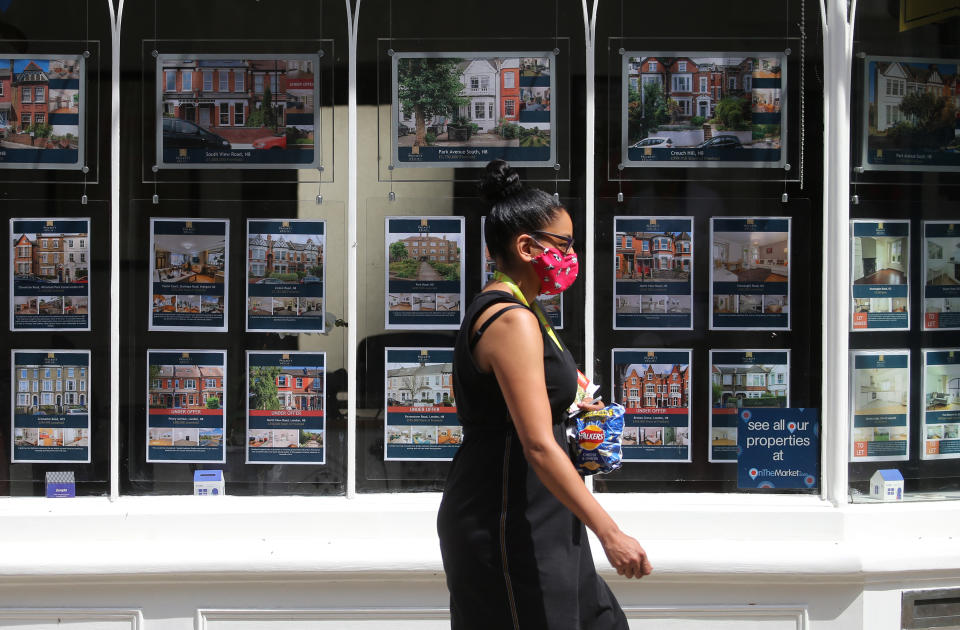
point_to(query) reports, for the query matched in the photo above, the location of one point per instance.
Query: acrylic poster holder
(216, 90)
(497, 74)
(722, 55)
(65, 147)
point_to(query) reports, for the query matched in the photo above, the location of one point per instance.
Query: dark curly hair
(514, 208)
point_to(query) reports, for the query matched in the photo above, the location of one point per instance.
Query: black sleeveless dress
(515, 557)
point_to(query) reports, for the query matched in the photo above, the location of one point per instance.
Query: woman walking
(513, 519)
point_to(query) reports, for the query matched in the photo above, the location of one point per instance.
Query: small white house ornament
(887, 485)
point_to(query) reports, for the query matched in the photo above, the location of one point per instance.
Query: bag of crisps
(596, 439)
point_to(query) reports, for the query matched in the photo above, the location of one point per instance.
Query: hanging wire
(556, 51)
(318, 109)
(803, 94)
(622, 48)
(86, 55)
(392, 196)
(156, 49)
(556, 26)
(785, 197)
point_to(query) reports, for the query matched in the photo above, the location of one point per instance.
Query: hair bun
(499, 181)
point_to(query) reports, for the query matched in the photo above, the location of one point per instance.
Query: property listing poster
(42, 111)
(211, 111)
(941, 273)
(285, 407)
(880, 257)
(941, 406)
(880, 396)
(186, 408)
(285, 275)
(467, 108)
(743, 379)
(653, 271)
(424, 272)
(51, 405)
(911, 118)
(188, 274)
(704, 109)
(421, 418)
(551, 305)
(653, 385)
(750, 274)
(50, 274)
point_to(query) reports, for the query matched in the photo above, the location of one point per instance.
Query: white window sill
(688, 537)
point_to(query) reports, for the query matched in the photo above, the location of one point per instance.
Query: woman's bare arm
(512, 348)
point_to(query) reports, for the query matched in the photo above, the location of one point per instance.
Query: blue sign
(778, 448)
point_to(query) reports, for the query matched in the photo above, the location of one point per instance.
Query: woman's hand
(626, 555)
(589, 404)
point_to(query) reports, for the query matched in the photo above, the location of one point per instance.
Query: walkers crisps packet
(597, 440)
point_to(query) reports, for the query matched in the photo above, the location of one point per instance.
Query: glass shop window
(905, 372)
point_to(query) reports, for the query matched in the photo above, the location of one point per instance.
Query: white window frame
(831, 524)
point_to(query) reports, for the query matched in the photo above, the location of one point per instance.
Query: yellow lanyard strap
(517, 293)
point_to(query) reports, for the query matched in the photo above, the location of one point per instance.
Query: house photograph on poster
(420, 385)
(243, 110)
(472, 108)
(424, 258)
(186, 387)
(758, 385)
(45, 390)
(652, 385)
(284, 258)
(718, 107)
(911, 114)
(653, 257)
(277, 388)
(51, 258)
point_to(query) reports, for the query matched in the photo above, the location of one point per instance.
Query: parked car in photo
(270, 281)
(183, 134)
(26, 277)
(310, 279)
(404, 130)
(271, 142)
(721, 142)
(654, 143)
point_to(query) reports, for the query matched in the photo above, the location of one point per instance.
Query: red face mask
(556, 271)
